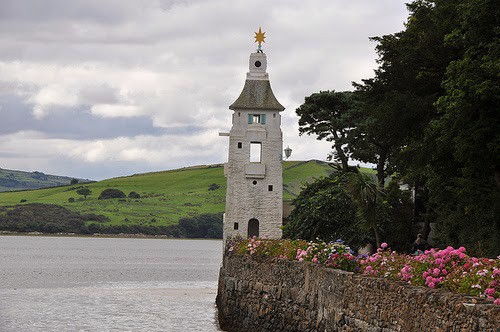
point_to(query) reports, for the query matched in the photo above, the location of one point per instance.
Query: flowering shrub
(449, 268)
(332, 254)
(284, 249)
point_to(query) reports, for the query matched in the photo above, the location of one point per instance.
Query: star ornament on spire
(259, 38)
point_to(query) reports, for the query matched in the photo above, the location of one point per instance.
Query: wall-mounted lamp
(288, 152)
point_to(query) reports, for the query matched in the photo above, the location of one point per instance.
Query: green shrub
(133, 194)
(213, 186)
(111, 193)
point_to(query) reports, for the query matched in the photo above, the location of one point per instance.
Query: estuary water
(108, 284)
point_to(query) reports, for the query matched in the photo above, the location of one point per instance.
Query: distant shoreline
(102, 235)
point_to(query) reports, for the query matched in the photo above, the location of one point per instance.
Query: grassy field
(165, 196)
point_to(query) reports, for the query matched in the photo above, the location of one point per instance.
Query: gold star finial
(259, 37)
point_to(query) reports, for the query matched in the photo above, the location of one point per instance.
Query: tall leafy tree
(328, 115)
(468, 132)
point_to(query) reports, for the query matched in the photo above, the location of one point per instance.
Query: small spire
(259, 38)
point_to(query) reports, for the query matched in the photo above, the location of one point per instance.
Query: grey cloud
(76, 124)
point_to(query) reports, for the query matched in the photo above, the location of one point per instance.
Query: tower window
(255, 152)
(236, 226)
(256, 118)
(240, 145)
(254, 182)
(270, 187)
(258, 64)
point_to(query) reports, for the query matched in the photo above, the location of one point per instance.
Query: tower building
(254, 197)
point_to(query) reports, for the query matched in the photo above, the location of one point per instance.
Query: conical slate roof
(257, 94)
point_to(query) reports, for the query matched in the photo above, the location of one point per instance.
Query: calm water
(108, 284)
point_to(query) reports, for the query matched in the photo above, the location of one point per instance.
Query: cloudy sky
(104, 88)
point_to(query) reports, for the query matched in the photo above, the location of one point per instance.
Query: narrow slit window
(270, 187)
(236, 226)
(255, 152)
(240, 145)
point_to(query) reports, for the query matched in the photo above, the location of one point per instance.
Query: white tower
(254, 197)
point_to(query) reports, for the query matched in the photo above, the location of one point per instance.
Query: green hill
(11, 180)
(165, 196)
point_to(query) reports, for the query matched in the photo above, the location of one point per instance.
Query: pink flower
(489, 291)
(383, 245)
(436, 272)
(431, 285)
(315, 259)
(497, 301)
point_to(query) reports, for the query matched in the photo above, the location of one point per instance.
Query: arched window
(253, 228)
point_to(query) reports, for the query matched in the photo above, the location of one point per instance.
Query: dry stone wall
(280, 295)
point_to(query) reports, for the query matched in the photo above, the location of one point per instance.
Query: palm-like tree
(368, 196)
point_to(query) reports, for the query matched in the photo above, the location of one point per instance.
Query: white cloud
(178, 63)
(114, 111)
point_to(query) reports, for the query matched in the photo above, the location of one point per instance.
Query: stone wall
(281, 295)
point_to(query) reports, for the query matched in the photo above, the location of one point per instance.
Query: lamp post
(288, 152)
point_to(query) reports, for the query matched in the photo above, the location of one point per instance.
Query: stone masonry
(281, 295)
(255, 188)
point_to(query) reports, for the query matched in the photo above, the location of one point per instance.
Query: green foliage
(84, 191)
(202, 226)
(284, 249)
(398, 230)
(74, 181)
(328, 115)
(49, 218)
(325, 210)
(111, 193)
(134, 195)
(430, 115)
(71, 200)
(368, 197)
(213, 186)
(45, 218)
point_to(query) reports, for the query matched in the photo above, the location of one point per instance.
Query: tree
(73, 181)
(368, 197)
(324, 210)
(84, 191)
(468, 133)
(111, 193)
(327, 114)
(134, 195)
(438, 84)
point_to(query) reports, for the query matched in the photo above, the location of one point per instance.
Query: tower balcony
(255, 171)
